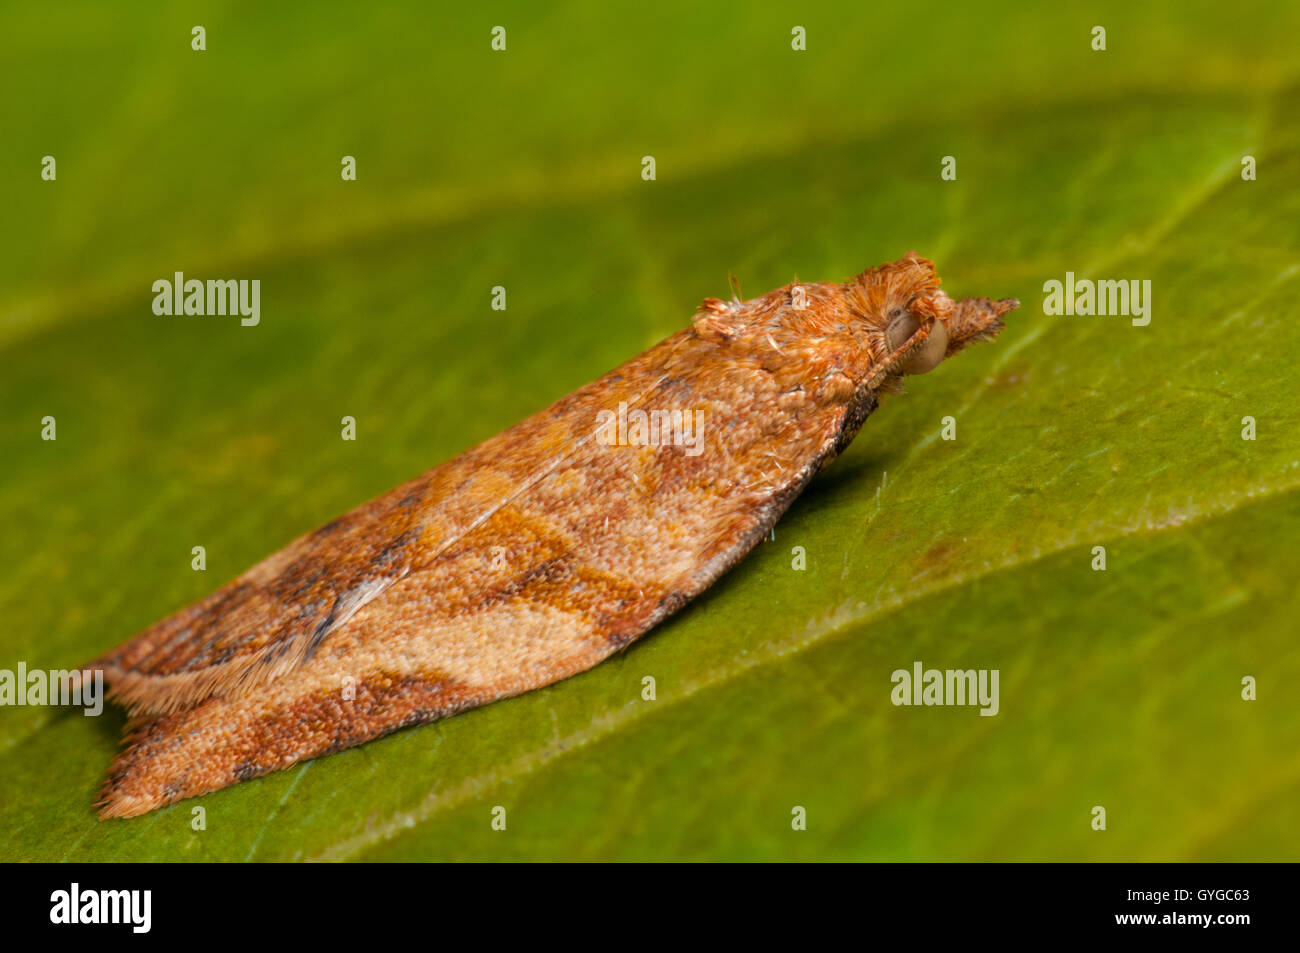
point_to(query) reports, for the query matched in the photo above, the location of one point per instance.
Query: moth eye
(902, 325)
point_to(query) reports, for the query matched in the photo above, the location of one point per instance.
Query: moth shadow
(852, 471)
(110, 722)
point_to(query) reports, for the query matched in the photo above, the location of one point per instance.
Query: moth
(534, 555)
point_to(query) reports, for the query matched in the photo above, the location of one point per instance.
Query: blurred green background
(522, 168)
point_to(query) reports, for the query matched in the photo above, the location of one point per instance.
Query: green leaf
(1118, 688)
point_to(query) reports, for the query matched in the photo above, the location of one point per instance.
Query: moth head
(905, 313)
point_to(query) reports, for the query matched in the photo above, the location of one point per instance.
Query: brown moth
(537, 553)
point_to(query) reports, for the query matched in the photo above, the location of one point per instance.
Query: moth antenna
(735, 287)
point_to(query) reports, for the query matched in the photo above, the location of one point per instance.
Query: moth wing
(531, 557)
(272, 617)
